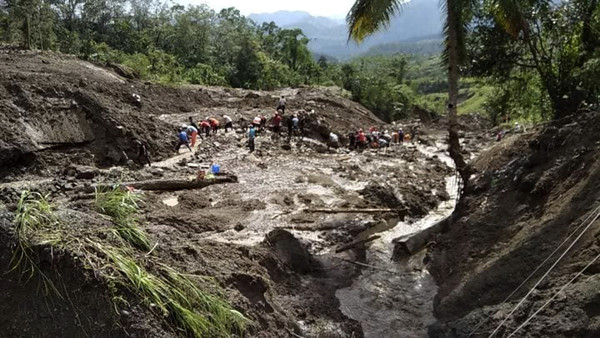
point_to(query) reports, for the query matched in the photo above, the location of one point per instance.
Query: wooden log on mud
(352, 211)
(167, 185)
(354, 244)
(412, 243)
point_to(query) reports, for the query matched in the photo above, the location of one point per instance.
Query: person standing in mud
(263, 123)
(276, 122)
(401, 135)
(352, 140)
(242, 123)
(281, 104)
(214, 123)
(193, 132)
(290, 126)
(295, 125)
(193, 124)
(302, 125)
(251, 137)
(256, 123)
(362, 139)
(413, 134)
(228, 123)
(205, 127)
(141, 150)
(183, 140)
(334, 141)
(137, 100)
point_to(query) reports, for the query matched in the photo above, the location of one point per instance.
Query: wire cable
(544, 276)
(536, 269)
(553, 297)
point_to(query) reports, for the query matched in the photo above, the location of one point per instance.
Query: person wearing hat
(193, 132)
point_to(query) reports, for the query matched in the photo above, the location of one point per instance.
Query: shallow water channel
(396, 299)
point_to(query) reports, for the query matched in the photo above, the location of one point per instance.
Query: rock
(286, 146)
(289, 249)
(87, 173)
(239, 227)
(124, 71)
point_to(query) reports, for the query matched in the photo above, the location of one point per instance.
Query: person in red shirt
(362, 138)
(214, 124)
(276, 123)
(205, 126)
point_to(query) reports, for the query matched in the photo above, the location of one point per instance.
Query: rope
(553, 297)
(536, 269)
(544, 276)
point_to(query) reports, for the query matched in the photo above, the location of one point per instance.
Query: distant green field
(427, 78)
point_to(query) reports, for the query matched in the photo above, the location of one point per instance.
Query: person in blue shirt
(183, 139)
(251, 137)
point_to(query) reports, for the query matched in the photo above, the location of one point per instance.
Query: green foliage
(122, 206)
(551, 47)
(204, 74)
(34, 215)
(172, 294)
(163, 43)
(175, 296)
(377, 83)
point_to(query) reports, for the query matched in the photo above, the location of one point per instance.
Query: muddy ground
(69, 126)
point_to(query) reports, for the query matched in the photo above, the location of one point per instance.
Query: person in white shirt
(228, 123)
(281, 104)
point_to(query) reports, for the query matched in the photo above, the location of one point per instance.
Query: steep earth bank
(531, 192)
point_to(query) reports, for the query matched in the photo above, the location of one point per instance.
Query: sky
(329, 8)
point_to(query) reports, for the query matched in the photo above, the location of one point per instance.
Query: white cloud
(329, 8)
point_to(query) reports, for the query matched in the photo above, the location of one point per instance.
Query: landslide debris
(249, 243)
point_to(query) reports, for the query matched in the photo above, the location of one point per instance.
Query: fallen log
(410, 244)
(354, 244)
(166, 185)
(352, 211)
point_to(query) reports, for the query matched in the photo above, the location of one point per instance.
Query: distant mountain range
(416, 30)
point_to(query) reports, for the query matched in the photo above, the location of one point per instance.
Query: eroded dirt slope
(531, 192)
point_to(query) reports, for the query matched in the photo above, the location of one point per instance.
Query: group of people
(188, 134)
(296, 124)
(377, 139)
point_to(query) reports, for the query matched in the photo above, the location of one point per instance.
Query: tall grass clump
(122, 206)
(34, 215)
(194, 312)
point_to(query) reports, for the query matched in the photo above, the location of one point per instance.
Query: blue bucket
(215, 168)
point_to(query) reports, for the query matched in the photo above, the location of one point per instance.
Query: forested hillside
(528, 76)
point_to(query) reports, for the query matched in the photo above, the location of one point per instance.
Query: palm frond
(463, 10)
(509, 15)
(368, 16)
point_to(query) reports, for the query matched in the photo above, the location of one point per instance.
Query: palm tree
(368, 16)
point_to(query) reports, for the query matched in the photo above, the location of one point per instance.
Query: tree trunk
(454, 149)
(166, 185)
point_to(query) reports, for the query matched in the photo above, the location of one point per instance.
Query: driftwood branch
(355, 244)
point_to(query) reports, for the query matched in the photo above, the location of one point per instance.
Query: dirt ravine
(533, 194)
(261, 239)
